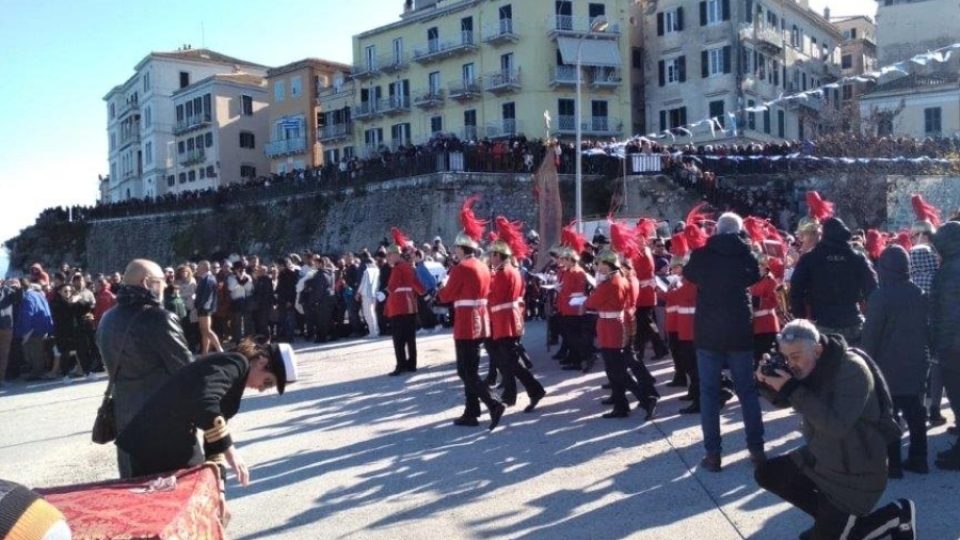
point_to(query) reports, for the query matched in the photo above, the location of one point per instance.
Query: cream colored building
(909, 27)
(858, 55)
(295, 119)
(708, 59)
(220, 132)
(485, 69)
(140, 117)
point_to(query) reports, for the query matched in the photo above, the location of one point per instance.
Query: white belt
(470, 303)
(403, 289)
(672, 309)
(686, 310)
(763, 313)
(577, 295)
(508, 305)
(610, 314)
(648, 283)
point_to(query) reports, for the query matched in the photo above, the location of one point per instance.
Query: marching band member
(403, 289)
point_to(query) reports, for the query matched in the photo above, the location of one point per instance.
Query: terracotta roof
(316, 63)
(203, 55)
(917, 82)
(237, 78)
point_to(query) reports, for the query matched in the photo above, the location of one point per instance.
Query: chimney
(826, 13)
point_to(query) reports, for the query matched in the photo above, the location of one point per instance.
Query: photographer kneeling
(840, 473)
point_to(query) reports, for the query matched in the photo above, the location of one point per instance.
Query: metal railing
(563, 75)
(567, 124)
(429, 98)
(391, 63)
(503, 31)
(335, 131)
(508, 79)
(465, 89)
(436, 49)
(191, 122)
(762, 35)
(569, 25)
(365, 69)
(193, 156)
(502, 128)
(285, 146)
(394, 104)
(605, 76)
(366, 109)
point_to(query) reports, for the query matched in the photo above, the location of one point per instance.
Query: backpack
(889, 423)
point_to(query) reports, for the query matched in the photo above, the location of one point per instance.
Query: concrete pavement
(351, 453)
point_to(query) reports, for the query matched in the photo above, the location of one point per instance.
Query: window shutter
(727, 57)
(680, 19)
(660, 24)
(682, 67)
(683, 116)
(726, 9)
(703, 13)
(662, 68)
(704, 64)
(663, 120)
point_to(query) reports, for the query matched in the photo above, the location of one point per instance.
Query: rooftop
(241, 79)
(316, 63)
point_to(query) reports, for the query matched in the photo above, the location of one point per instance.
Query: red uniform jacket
(402, 291)
(610, 300)
(684, 299)
(644, 267)
(765, 317)
(574, 284)
(506, 303)
(467, 288)
(630, 317)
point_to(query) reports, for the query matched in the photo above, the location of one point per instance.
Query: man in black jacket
(945, 325)
(205, 302)
(723, 271)
(141, 343)
(831, 282)
(287, 298)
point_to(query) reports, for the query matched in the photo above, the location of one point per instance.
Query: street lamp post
(598, 24)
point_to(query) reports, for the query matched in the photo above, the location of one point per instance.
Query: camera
(776, 361)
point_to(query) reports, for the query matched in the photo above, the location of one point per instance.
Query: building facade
(295, 119)
(141, 118)
(484, 69)
(708, 59)
(909, 27)
(858, 55)
(220, 133)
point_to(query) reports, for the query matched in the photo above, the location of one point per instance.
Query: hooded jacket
(945, 296)
(33, 314)
(830, 281)
(723, 272)
(895, 333)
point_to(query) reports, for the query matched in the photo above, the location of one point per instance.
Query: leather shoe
(650, 405)
(467, 421)
(711, 462)
(895, 473)
(607, 401)
(396, 372)
(686, 397)
(937, 421)
(758, 457)
(677, 382)
(916, 466)
(571, 367)
(694, 408)
(495, 414)
(617, 413)
(490, 381)
(534, 400)
(605, 386)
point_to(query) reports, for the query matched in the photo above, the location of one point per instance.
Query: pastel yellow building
(486, 69)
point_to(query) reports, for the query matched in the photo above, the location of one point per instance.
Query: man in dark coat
(945, 325)
(203, 395)
(895, 336)
(143, 341)
(287, 298)
(723, 272)
(831, 282)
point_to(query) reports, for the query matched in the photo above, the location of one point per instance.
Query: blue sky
(59, 57)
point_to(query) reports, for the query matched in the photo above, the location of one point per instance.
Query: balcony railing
(760, 86)
(365, 70)
(604, 77)
(129, 106)
(366, 110)
(193, 157)
(395, 104)
(335, 132)
(465, 89)
(563, 76)
(470, 133)
(429, 99)
(566, 25)
(505, 31)
(503, 128)
(598, 125)
(191, 123)
(129, 137)
(502, 82)
(437, 50)
(391, 63)
(285, 147)
(332, 92)
(763, 37)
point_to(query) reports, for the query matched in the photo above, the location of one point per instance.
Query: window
(931, 121)
(468, 73)
(181, 148)
(598, 109)
(296, 86)
(715, 61)
(597, 10)
(716, 111)
(183, 178)
(673, 71)
(190, 146)
(147, 117)
(202, 173)
(180, 115)
(434, 82)
(566, 108)
(466, 30)
(247, 140)
(171, 181)
(208, 139)
(148, 153)
(509, 111)
(248, 171)
(146, 82)
(198, 105)
(279, 92)
(470, 124)
(672, 118)
(800, 128)
(846, 61)
(397, 50)
(199, 142)
(714, 12)
(669, 22)
(113, 171)
(370, 57)
(781, 124)
(436, 124)
(113, 111)
(847, 92)
(211, 172)
(113, 141)
(246, 105)
(400, 134)
(184, 79)
(189, 110)
(636, 57)
(752, 116)
(192, 176)
(433, 39)
(766, 121)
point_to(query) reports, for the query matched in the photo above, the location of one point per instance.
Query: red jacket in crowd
(402, 291)
(644, 266)
(573, 285)
(467, 288)
(610, 300)
(506, 303)
(765, 319)
(104, 301)
(684, 299)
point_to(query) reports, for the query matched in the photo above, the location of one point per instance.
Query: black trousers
(405, 341)
(783, 478)
(688, 359)
(506, 353)
(951, 382)
(324, 312)
(468, 369)
(641, 374)
(428, 319)
(647, 330)
(679, 370)
(615, 364)
(577, 332)
(913, 411)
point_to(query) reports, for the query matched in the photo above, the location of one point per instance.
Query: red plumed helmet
(818, 208)
(903, 240)
(623, 240)
(511, 233)
(678, 245)
(696, 237)
(696, 217)
(492, 237)
(472, 227)
(756, 228)
(875, 244)
(645, 230)
(570, 238)
(925, 211)
(399, 238)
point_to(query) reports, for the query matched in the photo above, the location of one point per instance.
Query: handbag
(105, 425)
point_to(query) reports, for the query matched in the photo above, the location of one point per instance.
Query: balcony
(605, 78)
(502, 128)
(129, 137)
(598, 126)
(325, 93)
(395, 105)
(191, 123)
(811, 104)
(578, 27)
(193, 157)
(392, 63)
(465, 90)
(365, 70)
(502, 82)
(285, 147)
(563, 76)
(470, 133)
(764, 38)
(503, 32)
(367, 110)
(335, 132)
(130, 106)
(760, 86)
(437, 50)
(429, 99)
